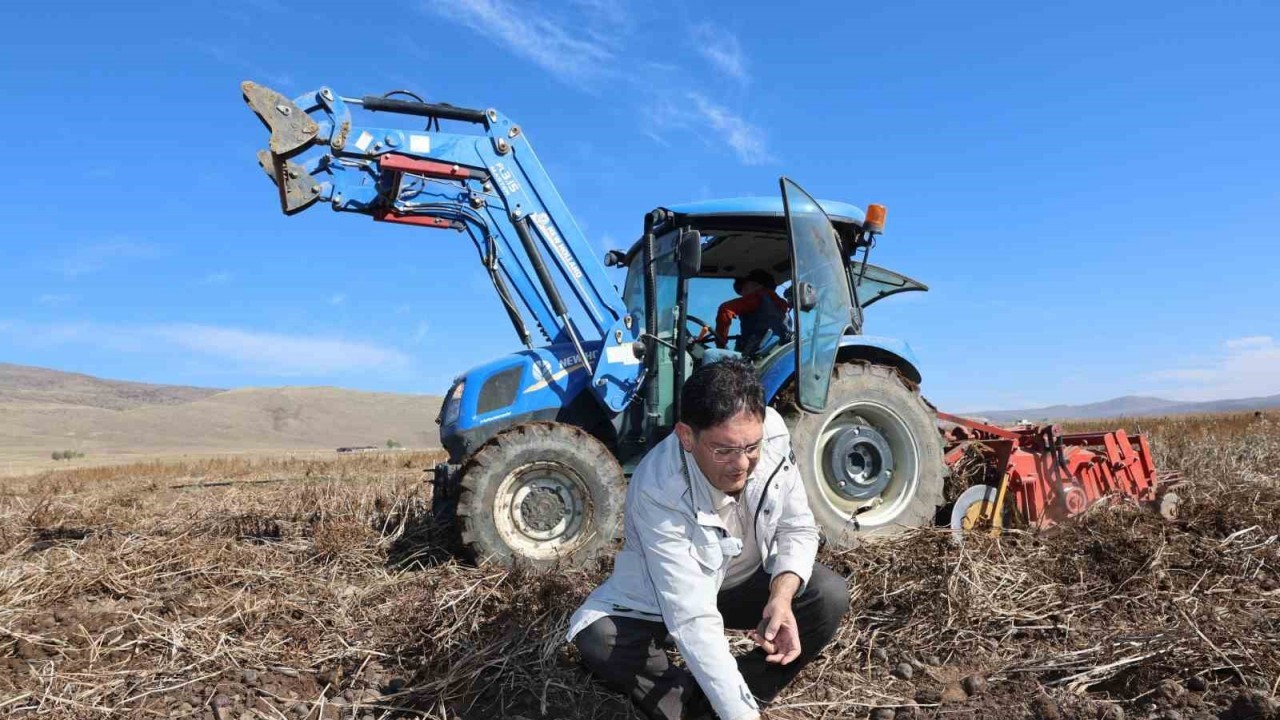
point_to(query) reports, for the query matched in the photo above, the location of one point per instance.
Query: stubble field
(309, 588)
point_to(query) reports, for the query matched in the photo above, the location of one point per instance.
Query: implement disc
(976, 509)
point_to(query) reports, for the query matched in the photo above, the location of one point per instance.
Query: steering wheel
(705, 335)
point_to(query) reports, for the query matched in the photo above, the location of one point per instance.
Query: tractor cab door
(821, 306)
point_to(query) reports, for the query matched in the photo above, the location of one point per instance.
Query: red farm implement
(1035, 476)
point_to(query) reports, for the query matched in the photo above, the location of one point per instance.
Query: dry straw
(306, 588)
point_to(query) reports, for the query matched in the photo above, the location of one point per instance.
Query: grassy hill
(42, 411)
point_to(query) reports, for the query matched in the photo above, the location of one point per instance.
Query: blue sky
(1090, 189)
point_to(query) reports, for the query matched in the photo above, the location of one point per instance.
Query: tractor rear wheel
(872, 461)
(541, 494)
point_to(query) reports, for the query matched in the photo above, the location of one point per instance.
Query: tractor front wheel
(872, 461)
(541, 493)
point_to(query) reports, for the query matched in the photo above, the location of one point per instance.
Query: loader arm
(487, 183)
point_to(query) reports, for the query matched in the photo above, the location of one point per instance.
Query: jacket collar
(704, 507)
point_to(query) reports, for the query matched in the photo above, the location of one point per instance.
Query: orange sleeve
(730, 310)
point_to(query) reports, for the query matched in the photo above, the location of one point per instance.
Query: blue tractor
(541, 441)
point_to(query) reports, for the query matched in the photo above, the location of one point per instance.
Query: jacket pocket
(708, 555)
(767, 519)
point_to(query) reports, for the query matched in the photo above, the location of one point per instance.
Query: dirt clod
(883, 714)
(1197, 683)
(1252, 705)
(1108, 711)
(953, 695)
(974, 684)
(928, 696)
(904, 671)
(1044, 708)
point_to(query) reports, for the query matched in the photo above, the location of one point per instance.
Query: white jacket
(673, 562)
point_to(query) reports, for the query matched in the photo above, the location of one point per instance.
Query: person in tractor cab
(761, 314)
(717, 534)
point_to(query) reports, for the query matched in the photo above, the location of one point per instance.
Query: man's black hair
(718, 391)
(761, 277)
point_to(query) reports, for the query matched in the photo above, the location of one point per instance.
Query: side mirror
(689, 252)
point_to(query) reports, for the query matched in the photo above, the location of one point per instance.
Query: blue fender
(893, 352)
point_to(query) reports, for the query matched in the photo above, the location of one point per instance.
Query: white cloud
(1253, 342)
(278, 354)
(722, 49)
(338, 299)
(529, 32)
(89, 258)
(56, 299)
(1247, 367)
(261, 353)
(714, 123)
(421, 330)
(746, 140)
(581, 41)
(216, 278)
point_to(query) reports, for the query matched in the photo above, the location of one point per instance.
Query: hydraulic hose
(431, 110)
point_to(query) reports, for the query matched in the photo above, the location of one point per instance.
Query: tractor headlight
(453, 404)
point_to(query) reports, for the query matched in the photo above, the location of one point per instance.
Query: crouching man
(718, 534)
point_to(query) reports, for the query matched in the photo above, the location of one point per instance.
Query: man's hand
(778, 635)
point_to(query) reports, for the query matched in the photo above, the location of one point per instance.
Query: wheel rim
(541, 509)
(858, 462)
(869, 460)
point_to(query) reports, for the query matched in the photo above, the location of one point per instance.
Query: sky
(1089, 189)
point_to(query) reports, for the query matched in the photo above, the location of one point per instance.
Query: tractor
(540, 442)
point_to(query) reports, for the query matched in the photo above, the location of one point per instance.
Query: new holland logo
(553, 236)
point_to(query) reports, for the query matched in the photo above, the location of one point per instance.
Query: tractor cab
(697, 258)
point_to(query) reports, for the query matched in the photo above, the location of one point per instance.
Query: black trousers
(629, 655)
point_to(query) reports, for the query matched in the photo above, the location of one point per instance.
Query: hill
(46, 410)
(34, 386)
(1130, 406)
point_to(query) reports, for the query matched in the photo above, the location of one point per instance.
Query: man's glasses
(725, 455)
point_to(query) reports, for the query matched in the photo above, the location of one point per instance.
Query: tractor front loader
(541, 441)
